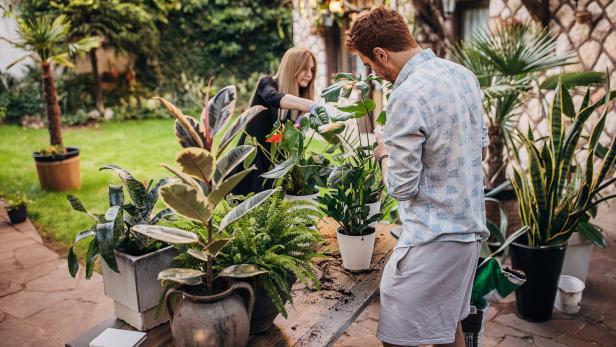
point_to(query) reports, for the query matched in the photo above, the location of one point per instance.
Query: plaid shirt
(435, 133)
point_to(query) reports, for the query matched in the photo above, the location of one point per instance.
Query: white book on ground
(118, 338)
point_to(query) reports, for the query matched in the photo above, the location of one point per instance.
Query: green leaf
(78, 206)
(220, 191)
(91, 255)
(189, 277)
(281, 169)
(136, 189)
(332, 129)
(187, 201)
(591, 233)
(116, 195)
(382, 118)
(84, 234)
(345, 76)
(242, 271)
(221, 108)
(182, 176)
(104, 238)
(73, 262)
(574, 79)
(166, 234)
(161, 215)
(212, 249)
(245, 207)
(196, 162)
(228, 162)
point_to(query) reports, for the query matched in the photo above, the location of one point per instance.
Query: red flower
(274, 138)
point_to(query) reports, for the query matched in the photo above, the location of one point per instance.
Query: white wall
(8, 53)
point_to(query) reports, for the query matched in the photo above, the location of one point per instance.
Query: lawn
(139, 146)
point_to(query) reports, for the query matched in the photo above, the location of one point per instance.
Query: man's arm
(400, 147)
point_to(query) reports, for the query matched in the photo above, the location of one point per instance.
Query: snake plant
(556, 194)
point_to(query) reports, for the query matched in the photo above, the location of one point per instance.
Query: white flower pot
(356, 251)
(577, 257)
(569, 295)
(375, 208)
(135, 290)
(312, 198)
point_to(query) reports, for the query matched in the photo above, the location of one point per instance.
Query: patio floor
(41, 305)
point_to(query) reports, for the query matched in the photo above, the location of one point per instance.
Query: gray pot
(135, 290)
(219, 320)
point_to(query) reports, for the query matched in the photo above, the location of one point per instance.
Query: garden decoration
(278, 236)
(47, 38)
(557, 198)
(210, 313)
(129, 259)
(16, 206)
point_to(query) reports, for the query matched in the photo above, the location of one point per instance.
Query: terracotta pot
(219, 320)
(59, 172)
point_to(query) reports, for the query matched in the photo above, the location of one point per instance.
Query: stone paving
(41, 305)
(594, 325)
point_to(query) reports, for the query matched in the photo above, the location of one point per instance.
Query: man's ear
(380, 54)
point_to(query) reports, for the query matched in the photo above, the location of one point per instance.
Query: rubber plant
(557, 195)
(112, 230)
(205, 176)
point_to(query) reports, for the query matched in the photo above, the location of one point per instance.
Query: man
(431, 153)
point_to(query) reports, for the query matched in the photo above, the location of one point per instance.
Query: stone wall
(304, 36)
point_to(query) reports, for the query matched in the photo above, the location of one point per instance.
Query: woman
(286, 95)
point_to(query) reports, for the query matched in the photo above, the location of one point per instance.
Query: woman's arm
(293, 102)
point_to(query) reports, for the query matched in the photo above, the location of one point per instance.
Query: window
(470, 16)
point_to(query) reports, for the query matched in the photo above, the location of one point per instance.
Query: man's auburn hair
(379, 27)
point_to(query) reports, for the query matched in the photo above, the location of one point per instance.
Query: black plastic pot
(542, 266)
(264, 312)
(17, 214)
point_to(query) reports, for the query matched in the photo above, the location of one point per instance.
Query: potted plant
(296, 169)
(554, 201)
(130, 261)
(210, 313)
(16, 207)
(58, 166)
(506, 61)
(351, 185)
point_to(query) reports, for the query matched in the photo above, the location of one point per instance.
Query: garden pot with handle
(578, 256)
(221, 319)
(542, 266)
(356, 251)
(59, 172)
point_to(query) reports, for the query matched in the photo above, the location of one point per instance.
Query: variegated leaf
(242, 271)
(166, 234)
(228, 162)
(196, 162)
(187, 201)
(246, 207)
(189, 277)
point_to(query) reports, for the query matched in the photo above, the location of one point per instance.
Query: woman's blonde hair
(294, 60)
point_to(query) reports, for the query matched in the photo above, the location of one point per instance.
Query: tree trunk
(98, 93)
(497, 174)
(52, 107)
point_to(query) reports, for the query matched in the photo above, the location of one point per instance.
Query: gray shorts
(426, 291)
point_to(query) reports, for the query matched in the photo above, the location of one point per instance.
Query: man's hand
(381, 149)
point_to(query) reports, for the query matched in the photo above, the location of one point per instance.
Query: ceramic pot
(356, 251)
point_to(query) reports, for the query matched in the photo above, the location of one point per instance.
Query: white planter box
(578, 256)
(356, 251)
(136, 290)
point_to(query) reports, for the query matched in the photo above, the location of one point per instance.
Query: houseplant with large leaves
(128, 258)
(48, 41)
(557, 194)
(209, 310)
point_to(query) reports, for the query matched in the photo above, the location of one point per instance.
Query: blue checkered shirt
(435, 133)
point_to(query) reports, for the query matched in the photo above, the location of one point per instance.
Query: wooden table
(317, 318)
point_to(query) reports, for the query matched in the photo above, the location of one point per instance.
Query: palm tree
(507, 61)
(47, 41)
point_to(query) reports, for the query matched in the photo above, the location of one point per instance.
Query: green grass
(139, 146)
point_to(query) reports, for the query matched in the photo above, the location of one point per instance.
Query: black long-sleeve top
(268, 95)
